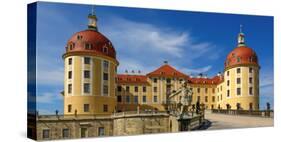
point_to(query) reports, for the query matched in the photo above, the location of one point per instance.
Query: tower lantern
(241, 37)
(92, 21)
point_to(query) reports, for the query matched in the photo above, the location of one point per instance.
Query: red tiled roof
(214, 80)
(240, 56)
(97, 43)
(126, 78)
(166, 71)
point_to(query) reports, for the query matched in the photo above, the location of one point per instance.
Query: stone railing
(143, 113)
(99, 116)
(261, 113)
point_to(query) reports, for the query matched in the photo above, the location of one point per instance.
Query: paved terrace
(216, 121)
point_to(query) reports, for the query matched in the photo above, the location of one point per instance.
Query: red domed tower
(242, 77)
(90, 71)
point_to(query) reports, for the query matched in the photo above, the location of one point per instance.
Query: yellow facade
(86, 94)
(213, 96)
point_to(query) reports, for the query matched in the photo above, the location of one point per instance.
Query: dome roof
(241, 55)
(90, 41)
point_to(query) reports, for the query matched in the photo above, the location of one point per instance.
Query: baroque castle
(100, 102)
(92, 85)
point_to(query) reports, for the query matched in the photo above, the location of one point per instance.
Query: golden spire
(92, 25)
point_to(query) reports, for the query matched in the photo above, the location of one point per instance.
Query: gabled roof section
(166, 71)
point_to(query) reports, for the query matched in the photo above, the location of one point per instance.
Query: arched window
(238, 59)
(71, 46)
(105, 49)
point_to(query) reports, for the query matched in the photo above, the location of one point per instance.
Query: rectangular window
(86, 74)
(46, 133)
(69, 61)
(143, 89)
(214, 90)
(127, 88)
(228, 82)
(69, 89)
(206, 90)
(155, 89)
(84, 132)
(227, 73)
(198, 90)
(250, 80)
(65, 133)
(228, 93)
(119, 99)
(86, 107)
(86, 87)
(136, 99)
(221, 96)
(105, 76)
(105, 65)
(136, 89)
(221, 88)
(105, 108)
(105, 90)
(250, 70)
(238, 91)
(198, 98)
(144, 99)
(155, 99)
(251, 90)
(101, 131)
(69, 74)
(168, 81)
(69, 108)
(238, 70)
(155, 80)
(119, 88)
(87, 60)
(206, 99)
(127, 99)
(213, 98)
(238, 80)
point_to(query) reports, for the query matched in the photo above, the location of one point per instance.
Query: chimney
(219, 74)
(139, 71)
(133, 71)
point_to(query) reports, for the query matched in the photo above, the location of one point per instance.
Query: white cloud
(196, 70)
(143, 46)
(266, 80)
(51, 76)
(48, 97)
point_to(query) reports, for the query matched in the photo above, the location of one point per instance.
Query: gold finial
(241, 26)
(92, 20)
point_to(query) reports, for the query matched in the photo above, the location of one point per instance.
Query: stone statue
(186, 99)
(184, 103)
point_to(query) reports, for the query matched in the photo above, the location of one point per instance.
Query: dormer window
(71, 46)
(105, 50)
(238, 59)
(79, 37)
(88, 46)
(251, 59)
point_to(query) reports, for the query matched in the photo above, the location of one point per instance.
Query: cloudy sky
(192, 42)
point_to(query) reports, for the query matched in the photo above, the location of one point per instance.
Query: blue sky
(192, 42)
